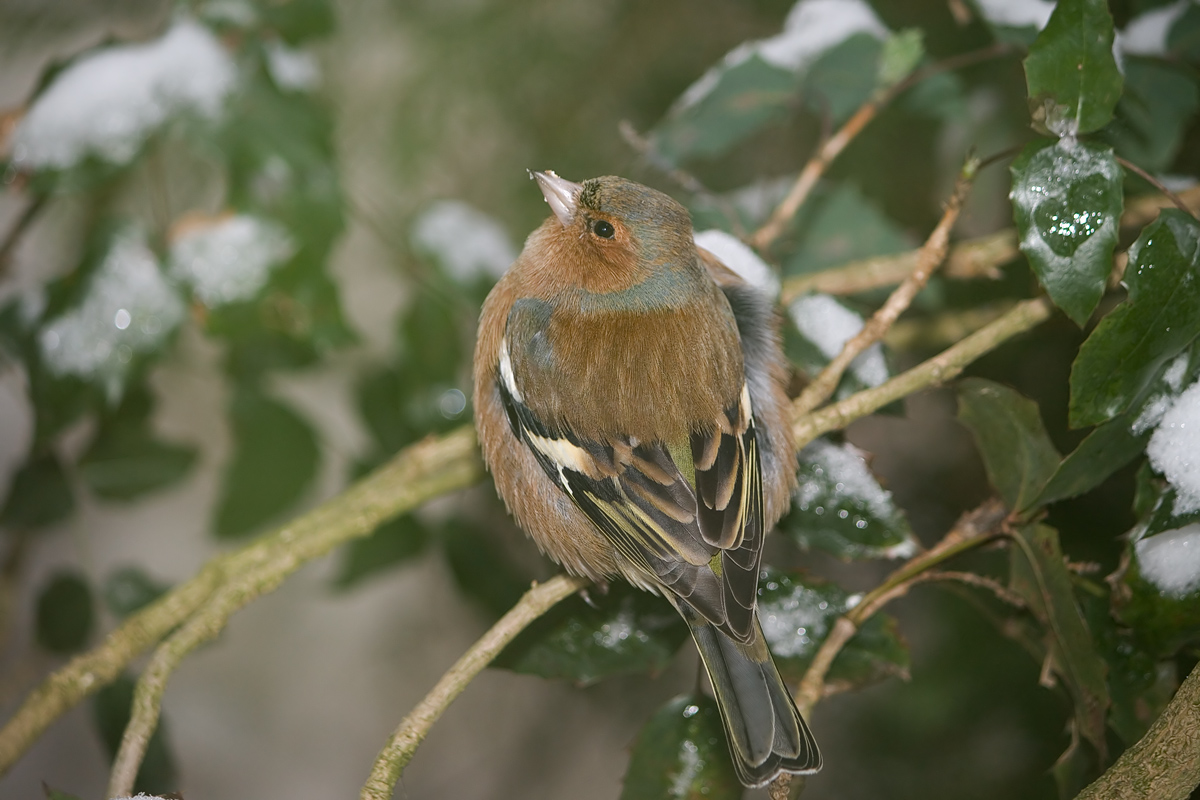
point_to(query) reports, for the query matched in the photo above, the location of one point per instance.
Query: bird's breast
(655, 375)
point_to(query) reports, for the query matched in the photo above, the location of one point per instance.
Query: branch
(929, 257)
(1165, 763)
(416, 474)
(937, 370)
(972, 529)
(972, 259)
(399, 750)
(765, 236)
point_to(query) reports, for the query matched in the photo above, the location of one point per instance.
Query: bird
(630, 405)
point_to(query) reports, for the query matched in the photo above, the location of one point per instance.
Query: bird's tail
(766, 734)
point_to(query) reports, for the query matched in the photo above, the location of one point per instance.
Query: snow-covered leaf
(821, 326)
(1067, 199)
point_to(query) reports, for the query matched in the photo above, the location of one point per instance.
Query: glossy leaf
(129, 589)
(797, 614)
(126, 459)
(1159, 102)
(839, 507)
(38, 496)
(843, 225)
(1067, 199)
(65, 613)
(627, 631)
(845, 76)
(274, 461)
(1106, 449)
(1131, 346)
(481, 567)
(1017, 453)
(392, 543)
(746, 98)
(110, 710)
(1073, 80)
(1039, 575)
(681, 754)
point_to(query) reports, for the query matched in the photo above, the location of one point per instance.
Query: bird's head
(614, 233)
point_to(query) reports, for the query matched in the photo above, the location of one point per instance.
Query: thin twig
(934, 372)
(930, 257)
(832, 147)
(974, 528)
(1157, 184)
(969, 260)
(13, 237)
(399, 750)
(994, 586)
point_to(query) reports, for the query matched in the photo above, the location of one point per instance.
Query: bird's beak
(560, 193)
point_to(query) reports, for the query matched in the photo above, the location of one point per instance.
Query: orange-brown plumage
(629, 401)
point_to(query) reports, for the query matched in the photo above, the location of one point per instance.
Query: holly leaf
(626, 631)
(839, 507)
(39, 495)
(1017, 452)
(274, 461)
(1067, 199)
(1130, 347)
(65, 614)
(1039, 575)
(1105, 450)
(1073, 80)
(681, 754)
(798, 613)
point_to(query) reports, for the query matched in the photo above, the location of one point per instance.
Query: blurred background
(389, 142)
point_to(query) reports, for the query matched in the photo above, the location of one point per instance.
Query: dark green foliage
(129, 589)
(65, 613)
(681, 754)
(38, 496)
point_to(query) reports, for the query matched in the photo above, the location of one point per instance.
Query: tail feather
(766, 734)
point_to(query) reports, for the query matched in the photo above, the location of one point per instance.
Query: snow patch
(1174, 449)
(107, 104)
(845, 467)
(739, 257)
(230, 260)
(129, 309)
(812, 27)
(1016, 13)
(292, 68)
(468, 242)
(829, 325)
(1146, 34)
(1171, 560)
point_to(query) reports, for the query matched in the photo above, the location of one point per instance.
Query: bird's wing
(689, 513)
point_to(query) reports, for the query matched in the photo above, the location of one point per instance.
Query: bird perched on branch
(630, 404)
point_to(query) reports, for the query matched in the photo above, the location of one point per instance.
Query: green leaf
(65, 614)
(110, 710)
(746, 98)
(1162, 620)
(1106, 449)
(842, 225)
(626, 631)
(1018, 455)
(1067, 199)
(681, 754)
(798, 613)
(1183, 40)
(1073, 80)
(274, 461)
(1130, 347)
(1039, 575)
(125, 459)
(39, 495)
(1159, 102)
(845, 76)
(299, 20)
(129, 589)
(821, 325)
(902, 52)
(392, 543)
(839, 507)
(484, 571)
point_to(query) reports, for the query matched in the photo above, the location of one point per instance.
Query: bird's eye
(603, 229)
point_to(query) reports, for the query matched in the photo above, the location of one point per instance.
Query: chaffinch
(630, 403)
